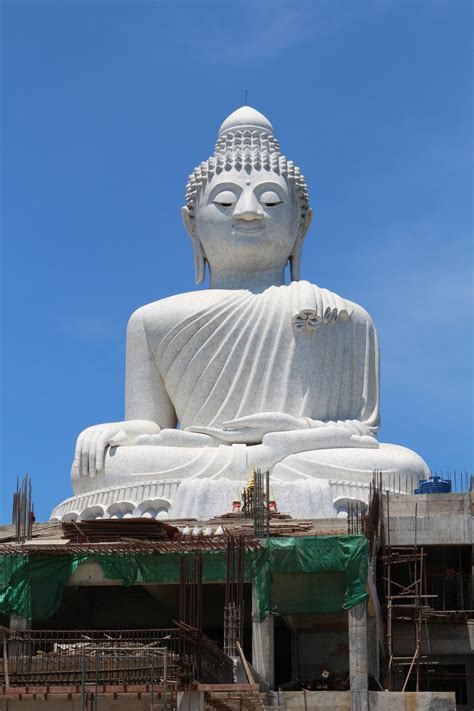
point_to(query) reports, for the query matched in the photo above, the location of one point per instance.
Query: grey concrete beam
(263, 658)
(358, 657)
(19, 623)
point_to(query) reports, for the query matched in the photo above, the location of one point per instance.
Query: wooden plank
(248, 672)
(224, 687)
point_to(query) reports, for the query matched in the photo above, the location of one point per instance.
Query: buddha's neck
(256, 281)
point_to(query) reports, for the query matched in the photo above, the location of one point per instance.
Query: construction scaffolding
(256, 499)
(110, 657)
(414, 593)
(23, 515)
(368, 518)
(405, 603)
(412, 603)
(415, 597)
(234, 596)
(190, 591)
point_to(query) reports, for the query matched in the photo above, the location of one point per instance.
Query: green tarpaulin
(291, 575)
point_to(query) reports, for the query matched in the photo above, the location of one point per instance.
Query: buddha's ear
(295, 260)
(306, 223)
(199, 258)
(295, 256)
(188, 221)
(199, 261)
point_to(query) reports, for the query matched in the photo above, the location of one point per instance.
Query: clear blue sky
(108, 106)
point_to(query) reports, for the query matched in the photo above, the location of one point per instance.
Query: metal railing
(157, 667)
(66, 657)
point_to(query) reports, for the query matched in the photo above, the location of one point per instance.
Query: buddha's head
(246, 206)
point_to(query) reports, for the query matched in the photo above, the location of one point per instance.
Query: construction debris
(104, 530)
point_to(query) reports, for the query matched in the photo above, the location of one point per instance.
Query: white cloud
(266, 28)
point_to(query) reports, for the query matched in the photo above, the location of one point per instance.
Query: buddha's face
(247, 221)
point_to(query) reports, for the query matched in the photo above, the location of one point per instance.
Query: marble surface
(256, 372)
(203, 499)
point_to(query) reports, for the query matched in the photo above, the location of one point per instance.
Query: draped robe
(204, 358)
(295, 349)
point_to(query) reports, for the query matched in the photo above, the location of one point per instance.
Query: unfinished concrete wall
(63, 702)
(442, 519)
(293, 700)
(322, 642)
(335, 700)
(441, 638)
(378, 701)
(412, 701)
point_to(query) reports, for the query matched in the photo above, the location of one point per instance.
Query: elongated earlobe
(199, 261)
(199, 258)
(295, 256)
(295, 261)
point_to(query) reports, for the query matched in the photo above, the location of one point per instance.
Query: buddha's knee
(357, 464)
(395, 459)
(126, 464)
(139, 463)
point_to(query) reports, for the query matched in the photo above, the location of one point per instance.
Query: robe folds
(296, 349)
(211, 356)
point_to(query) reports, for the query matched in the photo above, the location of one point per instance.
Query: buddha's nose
(248, 208)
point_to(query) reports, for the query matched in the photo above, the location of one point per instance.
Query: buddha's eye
(225, 199)
(270, 199)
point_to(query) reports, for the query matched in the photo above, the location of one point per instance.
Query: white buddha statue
(250, 372)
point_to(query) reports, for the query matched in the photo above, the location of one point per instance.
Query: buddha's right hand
(93, 442)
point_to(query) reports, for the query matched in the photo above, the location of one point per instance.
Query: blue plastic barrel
(434, 485)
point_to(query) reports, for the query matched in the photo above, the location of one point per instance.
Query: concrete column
(373, 648)
(263, 659)
(470, 680)
(358, 657)
(472, 565)
(17, 648)
(294, 646)
(19, 623)
(190, 700)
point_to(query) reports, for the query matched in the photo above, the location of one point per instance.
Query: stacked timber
(107, 530)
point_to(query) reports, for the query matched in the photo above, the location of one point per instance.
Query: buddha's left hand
(251, 429)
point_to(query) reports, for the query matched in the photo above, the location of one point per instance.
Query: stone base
(153, 499)
(203, 499)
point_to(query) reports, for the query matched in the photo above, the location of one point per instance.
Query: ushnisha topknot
(246, 142)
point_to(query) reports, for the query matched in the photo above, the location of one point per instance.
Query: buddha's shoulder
(358, 313)
(165, 313)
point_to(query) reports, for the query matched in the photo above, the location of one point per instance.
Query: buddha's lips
(248, 229)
